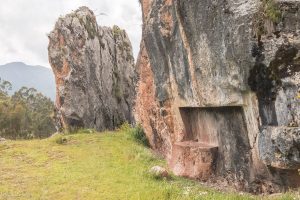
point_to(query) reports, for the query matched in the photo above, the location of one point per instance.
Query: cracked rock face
(280, 147)
(208, 76)
(94, 71)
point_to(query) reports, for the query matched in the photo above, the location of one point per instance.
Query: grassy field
(92, 166)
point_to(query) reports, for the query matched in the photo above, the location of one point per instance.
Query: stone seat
(193, 159)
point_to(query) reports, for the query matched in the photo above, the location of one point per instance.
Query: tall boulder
(94, 72)
(218, 93)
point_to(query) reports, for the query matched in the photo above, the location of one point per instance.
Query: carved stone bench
(193, 159)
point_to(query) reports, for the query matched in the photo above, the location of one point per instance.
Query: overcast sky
(24, 25)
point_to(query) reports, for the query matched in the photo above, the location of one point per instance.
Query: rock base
(193, 159)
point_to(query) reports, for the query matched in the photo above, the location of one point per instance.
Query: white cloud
(24, 25)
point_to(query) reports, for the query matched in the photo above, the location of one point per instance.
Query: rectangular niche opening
(215, 142)
(209, 125)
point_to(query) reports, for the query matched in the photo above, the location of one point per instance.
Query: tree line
(26, 114)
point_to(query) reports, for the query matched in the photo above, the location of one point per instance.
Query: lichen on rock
(210, 78)
(94, 71)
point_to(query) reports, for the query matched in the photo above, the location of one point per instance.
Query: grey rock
(159, 172)
(94, 71)
(280, 147)
(209, 57)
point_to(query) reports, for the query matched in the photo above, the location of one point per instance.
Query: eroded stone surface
(209, 54)
(280, 147)
(193, 159)
(94, 71)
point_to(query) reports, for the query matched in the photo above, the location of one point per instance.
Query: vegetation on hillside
(85, 165)
(268, 11)
(26, 114)
(137, 134)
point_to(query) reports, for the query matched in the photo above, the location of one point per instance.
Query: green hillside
(92, 166)
(38, 77)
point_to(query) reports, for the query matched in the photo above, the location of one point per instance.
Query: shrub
(268, 10)
(26, 114)
(271, 10)
(125, 127)
(139, 135)
(116, 31)
(59, 139)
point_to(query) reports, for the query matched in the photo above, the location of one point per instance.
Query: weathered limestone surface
(193, 159)
(94, 71)
(209, 55)
(279, 147)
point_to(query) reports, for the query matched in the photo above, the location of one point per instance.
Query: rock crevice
(208, 57)
(94, 71)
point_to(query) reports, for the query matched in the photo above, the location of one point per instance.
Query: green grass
(92, 166)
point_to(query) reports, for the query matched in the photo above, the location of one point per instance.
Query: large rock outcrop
(225, 75)
(94, 71)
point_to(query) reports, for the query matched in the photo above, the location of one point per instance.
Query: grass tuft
(139, 136)
(59, 139)
(272, 11)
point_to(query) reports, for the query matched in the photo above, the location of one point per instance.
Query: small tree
(25, 115)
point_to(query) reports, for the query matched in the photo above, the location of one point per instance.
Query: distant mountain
(38, 77)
